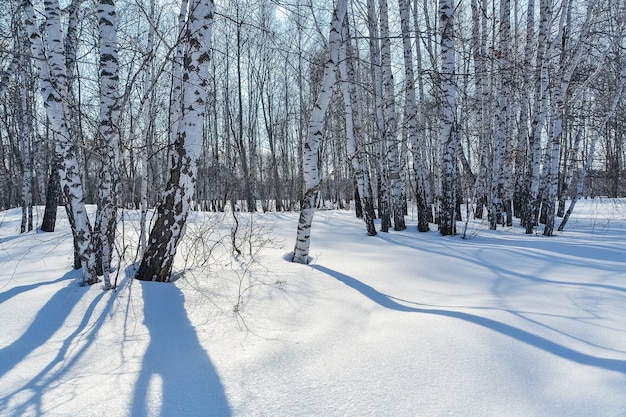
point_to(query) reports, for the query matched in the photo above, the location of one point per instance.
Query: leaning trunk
(315, 135)
(353, 145)
(53, 83)
(158, 259)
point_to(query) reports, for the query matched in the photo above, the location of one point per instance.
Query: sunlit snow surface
(400, 324)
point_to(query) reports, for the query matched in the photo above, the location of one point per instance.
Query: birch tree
(423, 122)
(502, 120)
(147, 117)
(353, 144)
(522, 184)
(315, 136)
(479, 34)
(538, 116)
(26, 129)
(53, 85)
(390, 134)
(565, 72)
(54, 192)
(448, 138)
(411, 118)
(106, 221)
(592, 147)
(384, 197)
(157, 261)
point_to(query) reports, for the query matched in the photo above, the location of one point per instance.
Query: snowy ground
(401, 324)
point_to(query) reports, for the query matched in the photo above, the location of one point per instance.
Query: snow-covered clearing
(401, 324)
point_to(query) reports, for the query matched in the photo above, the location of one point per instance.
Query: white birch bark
(147, 117)
(315, 136)
(479, 34)
(522, 186)
(538, 114)
(539, 172)
(391, 122)
(501, 122)
(26, 130)
(106, 215)
(572, 162)
(5, 182)
(177, 69)
(411, 118)
(429, 32)
(157, 261)
(592, 147)
(563, 79)
(384, 198)
(448, 139)
(423, 122)
(8, 72)
(53, 84)
(352, 144)
(359, 105)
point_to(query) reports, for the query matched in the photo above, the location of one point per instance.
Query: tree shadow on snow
(12, 292)
(502, 328)
(481, 258)
(47, 322)
(177, 376)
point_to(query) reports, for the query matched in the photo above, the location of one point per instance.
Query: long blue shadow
(64, 360)
(7, 295)
(47, 321)
(8, 238)
(190, 384)
(483, 261)
(502, 328)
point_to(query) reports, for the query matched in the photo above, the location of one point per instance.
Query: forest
(360, 208)
(457, 109)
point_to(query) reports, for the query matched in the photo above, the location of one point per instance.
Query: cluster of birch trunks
(502, 109)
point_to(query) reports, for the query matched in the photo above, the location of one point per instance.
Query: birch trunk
(53, 197)
(315, 136)
(479, 30)
(26, 139)
(411, 118)
(423, 122)
(147, 117)
(9, 71)
(572, 158)
(71, 41)
(522, 185)
(27, 171)
(502, 120)
(177, 71)
(538, 115)
(353, 145)
(106, 215)
(53, 84)
(592, 147)
(448, 138)
(360, 122)
(391, 123)
(157, 261)
(384, 198)
(563, 80)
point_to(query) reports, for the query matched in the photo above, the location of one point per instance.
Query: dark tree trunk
(53, 196)
(480, 207)
(358, 207)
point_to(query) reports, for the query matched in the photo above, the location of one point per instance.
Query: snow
(400, 324)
